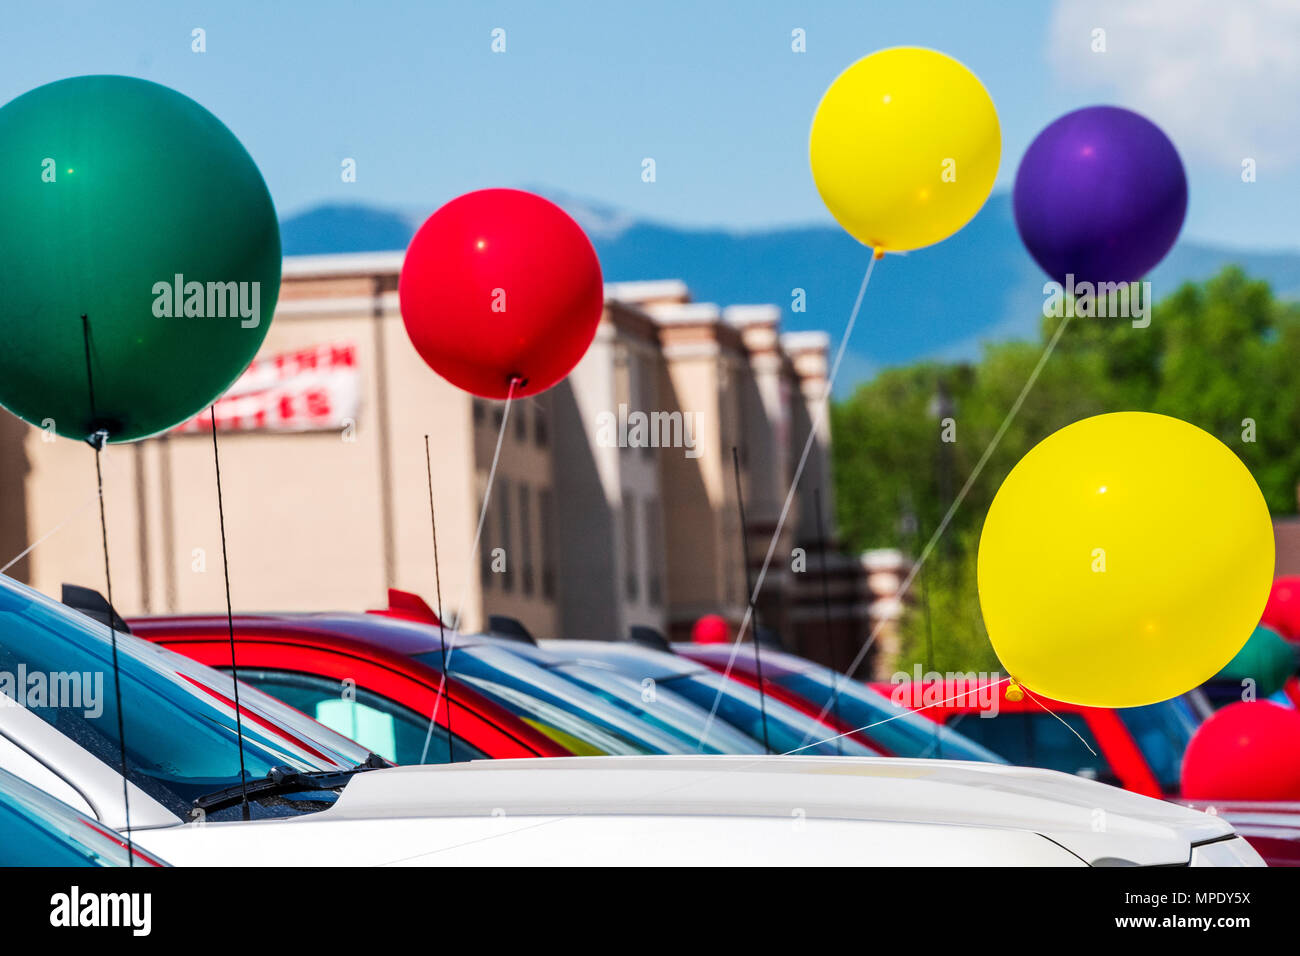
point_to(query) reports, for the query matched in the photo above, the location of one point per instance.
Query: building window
(654, 553)
(498, 416)
(541, 432)
(546, 505)
(633, 571)
(503, 518)
(526, 538)
(622, 377)
(645, 398)
(480, 411)
(484, 550)
(521, 422)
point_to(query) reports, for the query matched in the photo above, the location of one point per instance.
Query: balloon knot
(1014, 691)
(878, 252)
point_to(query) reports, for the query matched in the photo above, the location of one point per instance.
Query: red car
(374, 677)
(375, 693)
(1137, 748)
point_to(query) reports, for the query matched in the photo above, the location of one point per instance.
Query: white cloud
(1222, 79)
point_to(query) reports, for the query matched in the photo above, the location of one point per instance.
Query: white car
(734, 810)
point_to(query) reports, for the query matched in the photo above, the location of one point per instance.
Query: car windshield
(663, 708)
(1162, 732)
(38, 830)
(740, 705)
(895, 730)
(179, 723)
(555, 705)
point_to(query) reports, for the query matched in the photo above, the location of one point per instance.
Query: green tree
(1220, 354)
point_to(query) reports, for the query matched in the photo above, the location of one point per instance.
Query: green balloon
(127, 203)
(1266, 658)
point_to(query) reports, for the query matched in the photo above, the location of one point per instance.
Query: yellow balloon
(1125, 560)
(904, 148)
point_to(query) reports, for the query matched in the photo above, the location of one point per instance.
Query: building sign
(312, 389)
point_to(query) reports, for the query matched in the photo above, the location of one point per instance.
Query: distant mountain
(940, 302)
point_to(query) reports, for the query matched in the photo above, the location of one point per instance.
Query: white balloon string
(90, 500)
(815, 426)
(1035, 699)
(850, 733)
(469, 565)
(952, 510)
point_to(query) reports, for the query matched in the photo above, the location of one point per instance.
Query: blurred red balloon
(1282, 612)
(1247, 751)
(497, 285)
(711, 629)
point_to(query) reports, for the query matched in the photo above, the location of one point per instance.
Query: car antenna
(230, 617)
(94, 605)
(826, 616)
(97, 440)
(648, 637)
(511, 628)
(749, 592)
(437, 583)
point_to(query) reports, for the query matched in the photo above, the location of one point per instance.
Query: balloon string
(230, 616)
(442, 634)
(961, 495)
(90, 500)
(1034, 698)
(97, 440)
(850, 733)
(813, 430)
(515, 381)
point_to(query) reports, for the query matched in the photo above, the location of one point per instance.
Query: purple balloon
(1101, 195)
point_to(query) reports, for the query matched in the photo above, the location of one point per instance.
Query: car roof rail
(649, 637)
(510, 628)
(408, 606)
(94, 605)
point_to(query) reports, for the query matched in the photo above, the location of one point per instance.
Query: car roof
(774, 663)
(941, 792)
(340, 629)
(631, 659)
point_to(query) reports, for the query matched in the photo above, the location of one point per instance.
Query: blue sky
(711, 90)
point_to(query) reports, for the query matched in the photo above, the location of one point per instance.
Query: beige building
(614, 502)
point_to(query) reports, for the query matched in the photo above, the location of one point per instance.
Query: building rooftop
(666, 302)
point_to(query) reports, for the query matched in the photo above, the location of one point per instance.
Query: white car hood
(1000, 808)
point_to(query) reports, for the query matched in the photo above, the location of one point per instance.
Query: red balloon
(500, 285)
(1282, 612)
(1247, 751)
(711, 629)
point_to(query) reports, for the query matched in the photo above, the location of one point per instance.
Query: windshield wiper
(286, 780)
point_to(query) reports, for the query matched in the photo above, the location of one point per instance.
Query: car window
(1162, 732)
(38, 830)
(380, 725)
(895, 730)
(663, 708)
(523, 686)
(1039, 740)
(181, 740)
(787, 729)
